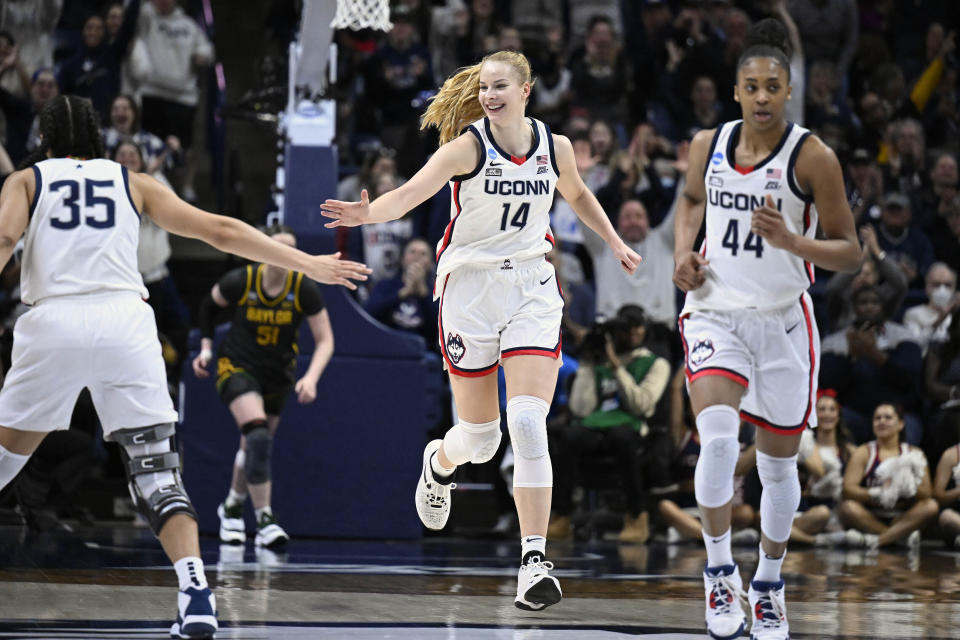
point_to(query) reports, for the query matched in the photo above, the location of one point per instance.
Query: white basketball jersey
(500, 211)
(83, 231)
(744, 271)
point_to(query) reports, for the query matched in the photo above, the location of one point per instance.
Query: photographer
(874, 361)
(614, 392)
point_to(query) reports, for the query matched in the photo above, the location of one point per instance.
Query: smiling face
(886, 421)
(128, 156)
(122, 114)
(762, 90)
(828, 414)
(502, 95)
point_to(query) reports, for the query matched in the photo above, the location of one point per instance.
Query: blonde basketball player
(500, 303)
(88, 325)
(751, 343)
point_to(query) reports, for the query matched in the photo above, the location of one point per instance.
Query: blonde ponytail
(457, 103)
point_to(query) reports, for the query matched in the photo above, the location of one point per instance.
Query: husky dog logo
(455, 347)
(702, 350)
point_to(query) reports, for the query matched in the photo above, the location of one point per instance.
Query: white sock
(718, 549)
(10, 465)
(533, 543)
(263, 510)
(768, 569)
(190, 573)
(235, 499)
(438, 469)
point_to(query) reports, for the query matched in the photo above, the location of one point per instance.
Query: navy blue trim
(126, 185)
(553, 154)
(713, 145)
(735, 137)
(36, 191)
(544, 349)
(791, 169)
(508, 157)
(483, 156)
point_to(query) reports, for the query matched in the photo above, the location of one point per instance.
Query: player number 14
(519, 218)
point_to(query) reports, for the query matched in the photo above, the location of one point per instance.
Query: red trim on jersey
(518, 161)
(464, 373)
(772, 428)
(448, 232)
(742, 169)
(532, 351)
(549, 238)
(718, 371)
(807, 266)
(813, 360)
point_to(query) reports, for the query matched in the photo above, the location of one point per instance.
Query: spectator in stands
(552, 92)
(824, 103)
(828, 30)
(930, 322)
(113, 19)
(33, 21)
(615, 391)
(705, 110)
(23, 125)
(906, 244)
(652, 286)
(934, 198)
(603, 145)
(125, 126)
(942, 378)
(177, 49)
(405, 301)
(886, 486)
(14, 76)
(873, 361)
(946, 234)
(946, 491)
(874, 115)
(904, 170)
(877, 269)
(864, 185)
(375, 164)
(601, 73)
(383, 243)
(636, 174)
(94, 70)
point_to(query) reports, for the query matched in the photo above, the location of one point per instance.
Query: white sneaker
(536, 588)
(270, 534)
(196, 614)
(723, 589)
(769, 611)
(433, 495)
(232, 528)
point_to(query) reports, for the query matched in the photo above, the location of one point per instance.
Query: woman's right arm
(689, 265)
(852, 476)
(457, 157)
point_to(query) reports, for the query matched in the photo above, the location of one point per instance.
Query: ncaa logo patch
(717, 158)
(455, 347)
(492, 154)
(701, 352)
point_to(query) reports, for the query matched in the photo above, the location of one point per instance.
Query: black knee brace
(256, 464)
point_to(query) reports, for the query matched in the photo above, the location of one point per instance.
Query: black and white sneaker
(536, 588)
(433, 494)
(196, 614)
(270, 534)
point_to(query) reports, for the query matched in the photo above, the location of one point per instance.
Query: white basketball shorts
(106, 342)
(487, 314)
(774, 354)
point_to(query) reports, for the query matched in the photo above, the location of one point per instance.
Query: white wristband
(206, 354)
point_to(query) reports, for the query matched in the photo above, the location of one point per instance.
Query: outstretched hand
(330, 269)
(629, 259)
(347, 214)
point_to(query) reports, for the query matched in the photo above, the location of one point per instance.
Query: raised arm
(233, 236)
(818, 173)
(585, 204)
(458, 157)
(689, 266)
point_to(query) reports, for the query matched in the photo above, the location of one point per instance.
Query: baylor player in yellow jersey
(256, 370)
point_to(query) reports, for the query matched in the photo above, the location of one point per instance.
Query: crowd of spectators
(630, 83)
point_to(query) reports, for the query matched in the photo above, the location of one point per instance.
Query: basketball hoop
(362, 14)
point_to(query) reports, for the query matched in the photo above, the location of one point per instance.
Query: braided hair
(69, 126)
(767, 38)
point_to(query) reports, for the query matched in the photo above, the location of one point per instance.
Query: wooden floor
(115, 583)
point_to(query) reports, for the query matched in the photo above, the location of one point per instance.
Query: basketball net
(362, 14)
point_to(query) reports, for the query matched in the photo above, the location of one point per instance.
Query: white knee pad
(780, 497)
(10, 465)
(527, 422)
(468, 442)
(718, 426)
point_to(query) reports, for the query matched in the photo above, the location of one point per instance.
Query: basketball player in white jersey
(500, 303)
(750, 339)
(89, 326)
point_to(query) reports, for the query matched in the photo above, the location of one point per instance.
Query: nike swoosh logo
(545, 281)
(496, 164)
(793, 327)
(715, 170)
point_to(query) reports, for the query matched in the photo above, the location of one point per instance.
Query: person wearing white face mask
(929, 322)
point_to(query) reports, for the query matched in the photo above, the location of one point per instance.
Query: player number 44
(731, 240)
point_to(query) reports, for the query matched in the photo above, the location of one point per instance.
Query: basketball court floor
(113, 583)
